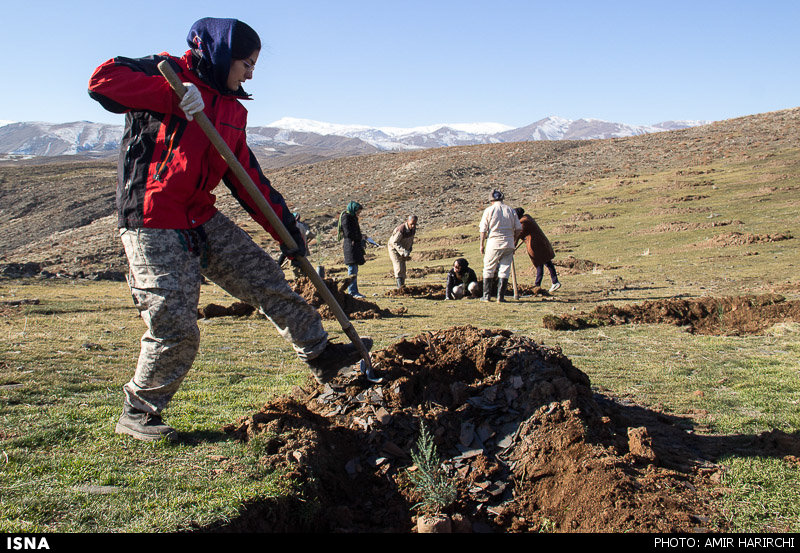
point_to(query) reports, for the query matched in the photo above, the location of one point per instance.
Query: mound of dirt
(681, 226)
(437, 292)
(433, 255)
(236, 309)
(572, 265)
(425, 291)
(446, 240)
(525, 290)
(520, 432)
(354, 308)
(419, 272)
(571, 228)
(721, 316)
(742, 239)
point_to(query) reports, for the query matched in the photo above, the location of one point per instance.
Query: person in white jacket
(499, 228)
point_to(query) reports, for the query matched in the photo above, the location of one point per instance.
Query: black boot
(488, 284)
(334, 358)
(400, 282)
(143, 426)
(501, 289)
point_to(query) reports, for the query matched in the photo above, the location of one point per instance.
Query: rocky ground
(523, 438)
(526, 442)
(60, 214)
(708, 315)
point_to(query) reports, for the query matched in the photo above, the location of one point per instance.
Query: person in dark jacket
(353, 244)
(461, 280)
(173, 234)
(539, 249)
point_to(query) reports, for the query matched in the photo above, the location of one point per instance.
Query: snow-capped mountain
(398, 138)
(431, 136)
(308, 141)
(47, 139)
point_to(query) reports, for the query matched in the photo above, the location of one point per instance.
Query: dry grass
(63, 361)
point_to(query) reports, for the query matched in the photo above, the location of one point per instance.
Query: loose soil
(419, 272)
(354, 308)
(721, 316)
(433, 255)
(236, 309)
(742, 239)
(681, 226)
(421, 291)
(528, 444)
(447, 240)
(437, 291)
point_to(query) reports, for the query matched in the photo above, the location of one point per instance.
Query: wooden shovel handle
(266, 209)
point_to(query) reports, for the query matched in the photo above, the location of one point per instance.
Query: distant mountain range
(290, 141)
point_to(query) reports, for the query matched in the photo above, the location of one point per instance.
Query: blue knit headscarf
(216, 43)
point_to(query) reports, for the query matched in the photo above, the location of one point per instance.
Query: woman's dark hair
(244, 41)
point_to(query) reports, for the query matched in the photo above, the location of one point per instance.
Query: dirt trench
(729, 316)
(528, 443)
(437, 291)
(354, 308)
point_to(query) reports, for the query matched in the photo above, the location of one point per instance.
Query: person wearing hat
(173, 234)
(539, 249)
(499, 229)
(353, 244)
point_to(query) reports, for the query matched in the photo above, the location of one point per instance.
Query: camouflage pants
(165, 276)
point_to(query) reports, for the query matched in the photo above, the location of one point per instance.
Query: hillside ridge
(60, 213)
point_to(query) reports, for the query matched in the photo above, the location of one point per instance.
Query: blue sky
(412, 63)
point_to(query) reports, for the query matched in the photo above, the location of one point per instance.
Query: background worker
(349, 232)
(461, 279)
(400, 244)
(499, 228)
(173, 234)
(539, 249)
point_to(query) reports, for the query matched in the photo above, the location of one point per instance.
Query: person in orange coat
(539, 249)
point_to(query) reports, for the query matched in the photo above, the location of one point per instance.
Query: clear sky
(410, 63)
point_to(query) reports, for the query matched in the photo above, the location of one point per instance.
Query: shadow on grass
(678, 445)
(203, 437)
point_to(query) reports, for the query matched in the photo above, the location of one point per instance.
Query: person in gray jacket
(400, 244)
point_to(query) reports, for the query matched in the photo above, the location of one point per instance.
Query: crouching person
(461, 280)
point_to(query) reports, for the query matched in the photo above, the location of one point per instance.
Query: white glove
(192, 101)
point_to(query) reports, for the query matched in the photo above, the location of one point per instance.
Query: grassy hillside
(682, 215)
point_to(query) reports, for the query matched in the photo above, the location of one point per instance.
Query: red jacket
(168, 168)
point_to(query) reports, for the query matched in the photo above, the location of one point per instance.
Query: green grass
(763, 495)
(63, 362)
